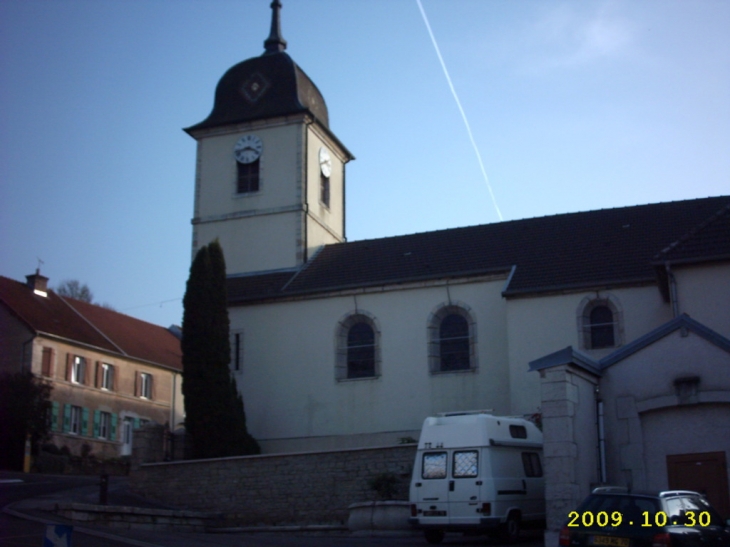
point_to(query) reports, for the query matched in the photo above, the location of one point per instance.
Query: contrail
(458, 103)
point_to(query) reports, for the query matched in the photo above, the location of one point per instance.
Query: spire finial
(275, 43)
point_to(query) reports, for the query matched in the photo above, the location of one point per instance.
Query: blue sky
(573, 106)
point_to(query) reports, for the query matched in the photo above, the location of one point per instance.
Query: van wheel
(511, 528)
(434, 536)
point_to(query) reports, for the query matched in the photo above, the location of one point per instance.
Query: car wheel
(434, 536)
(511, 528)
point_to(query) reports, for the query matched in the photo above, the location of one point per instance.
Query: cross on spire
(275, 43)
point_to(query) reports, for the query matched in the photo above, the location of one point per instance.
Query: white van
(477, 473)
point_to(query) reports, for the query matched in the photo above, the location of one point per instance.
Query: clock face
(248, 149)
(325, 162)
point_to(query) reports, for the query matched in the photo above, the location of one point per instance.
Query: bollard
(103, 488)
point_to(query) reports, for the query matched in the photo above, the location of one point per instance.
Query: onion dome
(265, 87)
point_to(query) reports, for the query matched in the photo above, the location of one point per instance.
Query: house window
(237, 351)
(105, 425)
(106, 376)
(76, 420)
(248, 177)
(47, 363)
(144, 385)
(78, 370)
(452, 340)
(358, 354)
(600, 323)
(324, 190)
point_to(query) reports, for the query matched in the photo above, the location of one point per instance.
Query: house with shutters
(110, 372)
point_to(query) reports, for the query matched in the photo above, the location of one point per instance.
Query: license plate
(434, 513)
(609, 540)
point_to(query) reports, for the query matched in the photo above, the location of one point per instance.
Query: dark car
(615, 517)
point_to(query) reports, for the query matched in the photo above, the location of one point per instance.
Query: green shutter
(136, 423)
(97, 420)
(113, 436)
(66, 418)
(84, 421)
(54, 416)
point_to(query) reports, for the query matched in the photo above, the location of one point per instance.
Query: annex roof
(91, 325)
(594, 249)
(570, 356)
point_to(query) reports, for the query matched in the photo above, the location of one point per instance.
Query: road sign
(57, 535)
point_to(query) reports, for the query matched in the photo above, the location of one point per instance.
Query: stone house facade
(110, 373)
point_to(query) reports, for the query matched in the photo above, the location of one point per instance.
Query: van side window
(434, 465)
(466, 464)
(518, 431)
(531, 462)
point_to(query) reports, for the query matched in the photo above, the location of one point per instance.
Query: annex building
(341, 344)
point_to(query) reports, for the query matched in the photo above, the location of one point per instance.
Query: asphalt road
(16, 532)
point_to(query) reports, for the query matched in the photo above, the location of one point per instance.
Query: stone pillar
(564, 439)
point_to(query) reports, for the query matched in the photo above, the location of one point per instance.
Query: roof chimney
(38, 282)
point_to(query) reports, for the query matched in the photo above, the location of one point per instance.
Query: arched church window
(248, 177)
(452, 343)
(600, 323)
(358, 352)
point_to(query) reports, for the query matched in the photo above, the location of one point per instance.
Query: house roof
(91, 325)
(604, 248)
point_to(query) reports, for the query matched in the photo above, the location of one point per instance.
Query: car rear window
(630, 507)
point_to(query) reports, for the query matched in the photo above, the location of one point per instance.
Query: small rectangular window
(248, 177)
(324, 190)
(518, 431)
(466, 464)
(47, 362)
(78, 370)
(105, 425)
(107, 376)
(76, 416)
(532, 465)
(236, 351)
(434, 465)
(145, 389)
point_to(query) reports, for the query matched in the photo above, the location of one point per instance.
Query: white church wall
(704, 294)
(540, 325)
(288, 376)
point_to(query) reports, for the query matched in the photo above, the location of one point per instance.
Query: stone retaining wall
(276, 489)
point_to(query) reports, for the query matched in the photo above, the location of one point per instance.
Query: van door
(432, 489)
(464, 485)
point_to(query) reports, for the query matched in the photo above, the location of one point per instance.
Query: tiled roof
(91, 325)
(602, 248)
(707, 242)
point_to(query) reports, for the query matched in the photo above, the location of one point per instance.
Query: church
(339, 344)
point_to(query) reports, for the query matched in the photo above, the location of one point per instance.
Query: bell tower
(270, 175)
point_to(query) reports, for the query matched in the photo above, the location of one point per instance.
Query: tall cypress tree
(214, 415)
